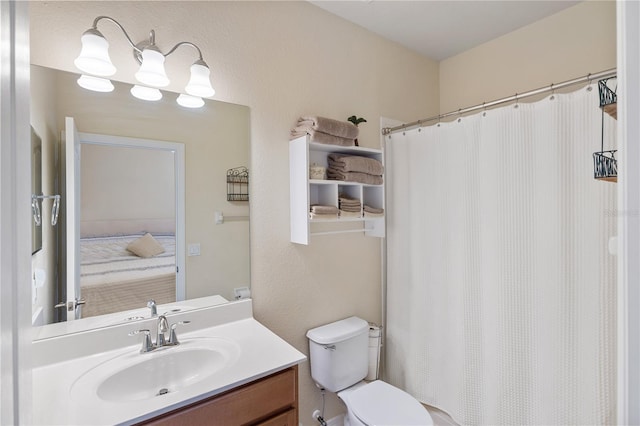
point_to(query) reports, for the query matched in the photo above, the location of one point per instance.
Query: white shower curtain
(500, 286)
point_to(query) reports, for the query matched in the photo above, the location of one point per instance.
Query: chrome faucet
(151, 304)
(163, 327)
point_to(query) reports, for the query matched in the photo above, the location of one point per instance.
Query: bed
(112, 279)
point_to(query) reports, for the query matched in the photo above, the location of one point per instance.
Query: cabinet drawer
(247, 404)
(288, 418)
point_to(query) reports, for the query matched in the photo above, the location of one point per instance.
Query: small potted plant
(356, 120)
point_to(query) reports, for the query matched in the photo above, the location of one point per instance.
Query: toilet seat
(378, 403)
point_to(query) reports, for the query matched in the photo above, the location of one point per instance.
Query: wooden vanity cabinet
(271, 401)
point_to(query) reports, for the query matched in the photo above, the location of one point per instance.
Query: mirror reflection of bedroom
(141, 186)
(127, 228)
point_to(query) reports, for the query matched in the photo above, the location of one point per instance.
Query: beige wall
(283, 60)
(572, 43)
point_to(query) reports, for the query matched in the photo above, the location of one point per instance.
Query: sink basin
(134, 376)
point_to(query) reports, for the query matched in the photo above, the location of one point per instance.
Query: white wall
(283, 60)
(120, 183)
(572, 43)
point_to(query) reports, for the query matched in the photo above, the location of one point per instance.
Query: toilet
(339, 363)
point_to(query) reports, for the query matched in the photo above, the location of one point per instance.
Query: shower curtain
(500, 285)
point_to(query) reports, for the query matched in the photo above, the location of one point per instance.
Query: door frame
(179, 172)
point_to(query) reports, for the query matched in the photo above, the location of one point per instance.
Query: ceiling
(440, 29)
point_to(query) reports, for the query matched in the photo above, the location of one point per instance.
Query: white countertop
(261, 353)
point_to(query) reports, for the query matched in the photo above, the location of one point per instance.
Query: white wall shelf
(304, 191)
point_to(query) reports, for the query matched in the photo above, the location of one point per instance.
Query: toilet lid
(379, 403)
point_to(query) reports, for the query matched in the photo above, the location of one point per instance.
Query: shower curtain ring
(484, 110)
(516, 105)
(553, 96)
(459, 113)
(589, 88)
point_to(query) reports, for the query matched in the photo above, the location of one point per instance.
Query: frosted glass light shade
(189, 101)
(94, 55)
(97, 84)
(199, 84)
(151, 70)
(146, 93)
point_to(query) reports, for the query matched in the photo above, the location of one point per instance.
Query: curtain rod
(516, 97)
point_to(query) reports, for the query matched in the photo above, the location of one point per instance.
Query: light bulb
(189, 101)
(151, 70)
(97, 84)
(146, 93)
(94, 56)
(199, 84)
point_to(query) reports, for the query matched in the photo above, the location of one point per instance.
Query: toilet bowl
(339, 363)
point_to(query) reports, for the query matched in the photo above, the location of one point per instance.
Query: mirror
(36, 190)
(215, 139)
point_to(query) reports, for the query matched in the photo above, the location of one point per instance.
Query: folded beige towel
(344, 213)
(373, 215)
(320, 137)
(374, 210)
(350, 208)
(355, 163)
(323, 209)
(348, 201)
(323, 216)
(343, 129)
(354, 177)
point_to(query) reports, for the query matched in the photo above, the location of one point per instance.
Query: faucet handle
(173, 338)
(147, 344)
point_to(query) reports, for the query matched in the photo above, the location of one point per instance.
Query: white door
(72, 157)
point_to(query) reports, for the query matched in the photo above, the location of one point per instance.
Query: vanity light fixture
(94, 60)
(97, 84)
(146, 93)
(189, 101)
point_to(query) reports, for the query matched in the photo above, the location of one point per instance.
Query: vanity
(227, 369)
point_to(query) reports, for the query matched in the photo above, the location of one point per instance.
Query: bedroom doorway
(125, 223)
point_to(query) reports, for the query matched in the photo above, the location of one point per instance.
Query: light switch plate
(194, 249)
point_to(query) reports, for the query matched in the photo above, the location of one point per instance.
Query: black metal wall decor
(605, 165)
(238, 184)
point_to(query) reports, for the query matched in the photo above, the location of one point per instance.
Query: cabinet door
(248, 404)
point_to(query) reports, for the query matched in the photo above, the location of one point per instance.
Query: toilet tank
(339, 353)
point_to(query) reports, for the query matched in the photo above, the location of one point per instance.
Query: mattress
(112, 279)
